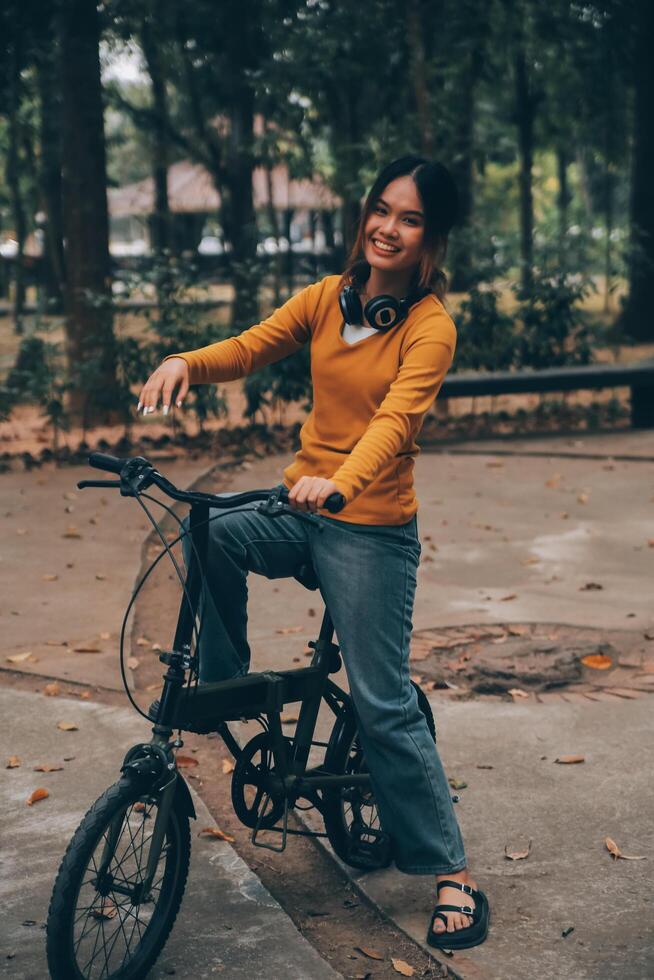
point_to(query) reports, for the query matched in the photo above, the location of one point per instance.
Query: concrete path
(516, 536)
(229, 925)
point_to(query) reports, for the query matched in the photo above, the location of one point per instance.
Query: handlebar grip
(334, 503)
(102, 461)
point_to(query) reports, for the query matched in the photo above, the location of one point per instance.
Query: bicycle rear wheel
(351, 812)
(100, 926)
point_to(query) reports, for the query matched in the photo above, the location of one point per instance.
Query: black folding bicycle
(121, 881)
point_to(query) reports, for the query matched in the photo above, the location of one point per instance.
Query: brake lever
(273, 506)
(83, 484)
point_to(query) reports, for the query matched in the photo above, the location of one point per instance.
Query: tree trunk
(50, 178)
(461, 252)
(525, 123)
(89, 328)
(160, 227)
(563, 196)
(12, 173)
(275, 263)
(636, 318)
(418, 69)
(239, 220)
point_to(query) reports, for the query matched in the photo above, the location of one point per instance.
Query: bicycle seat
(306, 576)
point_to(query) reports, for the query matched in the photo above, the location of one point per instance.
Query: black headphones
(382, 312)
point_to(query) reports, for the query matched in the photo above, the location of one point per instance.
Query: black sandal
(471, 935)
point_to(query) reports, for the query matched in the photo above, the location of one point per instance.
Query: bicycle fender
(184, 798)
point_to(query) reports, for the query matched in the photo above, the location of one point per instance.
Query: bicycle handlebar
(140, 473)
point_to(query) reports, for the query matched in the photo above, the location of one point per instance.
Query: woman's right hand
(171, 374)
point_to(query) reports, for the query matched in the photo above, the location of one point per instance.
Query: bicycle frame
(208, 707)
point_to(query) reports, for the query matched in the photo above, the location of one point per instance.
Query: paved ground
(229, 925)
(519, 529)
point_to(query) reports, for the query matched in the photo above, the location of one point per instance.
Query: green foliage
(39, 376)
(174, 325)
(555, 330)
(486, 340)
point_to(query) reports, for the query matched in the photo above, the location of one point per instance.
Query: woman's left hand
(310, 493)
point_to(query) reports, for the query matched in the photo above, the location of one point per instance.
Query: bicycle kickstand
(255, 832)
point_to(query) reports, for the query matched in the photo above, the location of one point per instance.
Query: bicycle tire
(63, 915)
(344, 755)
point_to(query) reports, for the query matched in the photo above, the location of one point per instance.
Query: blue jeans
(367, 576)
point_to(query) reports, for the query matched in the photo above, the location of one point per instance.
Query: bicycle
(121, 881)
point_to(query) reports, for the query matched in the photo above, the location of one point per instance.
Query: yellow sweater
(369, 398)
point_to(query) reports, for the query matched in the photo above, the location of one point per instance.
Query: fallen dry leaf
(583, 498)
(457, 783)
(598, 661)
(285, 630)
(84, 695)
(71, 532)
(186, 762)
(88, 648)
(517, 692)
(288, 719)
(143, 641)
(107, 910)
(50, 578)
(228, 766)
(46, 767)
(372, 954)
(105, 636)
(19, 658)
(100, 577)
(52, 690)
(590, 587)
(13, 762)
(215, 832)
(617, 853)
(569, 760)
(67, 726)
(517, 855)
(133, 663)
(39, 794)
(401, 967)
(507, 598)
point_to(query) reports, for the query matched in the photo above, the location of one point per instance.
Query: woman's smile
(384, 248)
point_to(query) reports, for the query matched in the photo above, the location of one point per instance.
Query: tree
(90, 344)
(636, 318)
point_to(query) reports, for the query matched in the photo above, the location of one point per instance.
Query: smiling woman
(370, 400)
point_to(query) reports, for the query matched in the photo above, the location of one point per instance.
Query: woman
(381, 345)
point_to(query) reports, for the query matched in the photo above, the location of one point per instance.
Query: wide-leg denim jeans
(367, 576)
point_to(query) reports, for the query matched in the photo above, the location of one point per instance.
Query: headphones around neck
(382, 312)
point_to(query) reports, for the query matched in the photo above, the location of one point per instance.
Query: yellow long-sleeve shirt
(369, 398)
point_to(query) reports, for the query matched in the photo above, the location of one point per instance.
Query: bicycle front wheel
(100, 924)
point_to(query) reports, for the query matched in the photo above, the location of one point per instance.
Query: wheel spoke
(101, 944)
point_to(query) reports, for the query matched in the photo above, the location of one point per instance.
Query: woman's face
(394, 231)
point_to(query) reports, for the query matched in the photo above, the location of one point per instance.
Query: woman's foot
(454, 896)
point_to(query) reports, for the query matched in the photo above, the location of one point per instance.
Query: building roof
(191, 190)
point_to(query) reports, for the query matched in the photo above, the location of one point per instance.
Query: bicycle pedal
(369, 848)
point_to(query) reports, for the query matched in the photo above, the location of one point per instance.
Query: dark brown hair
(440, 201)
